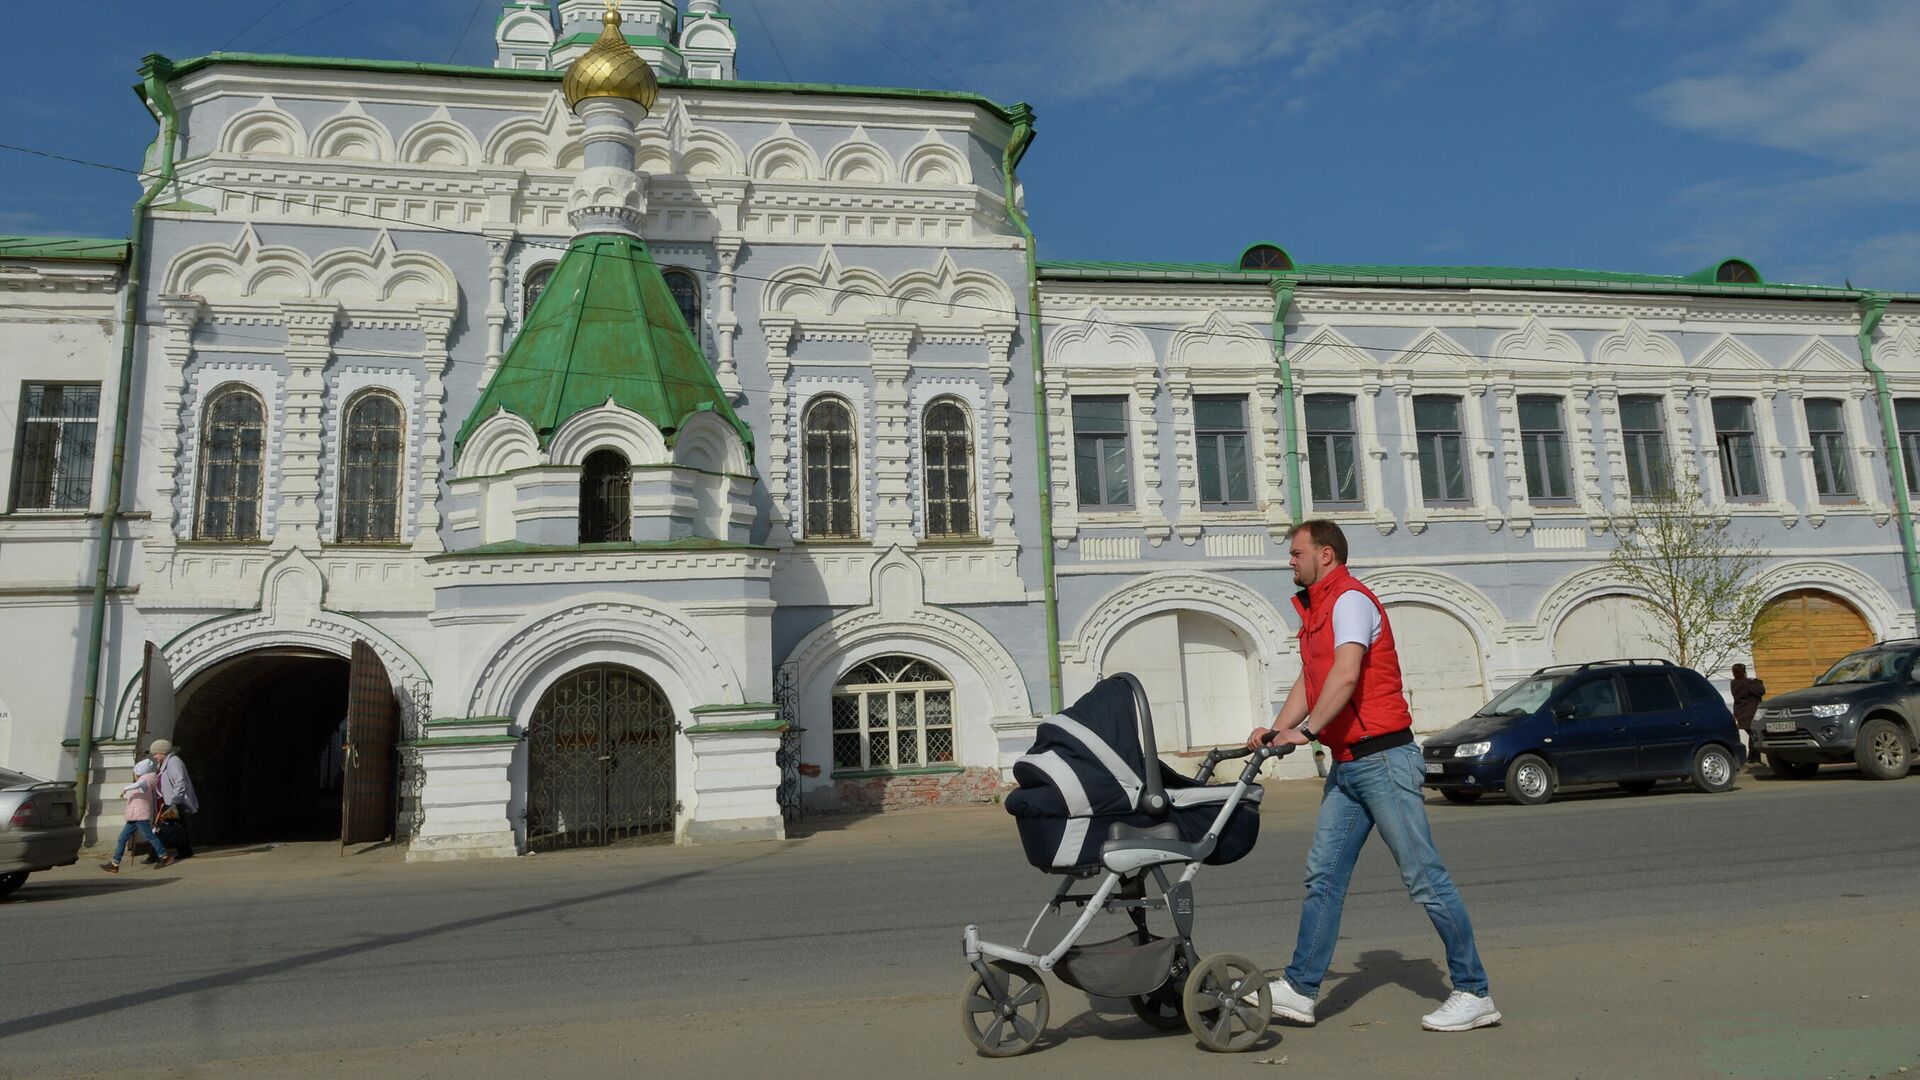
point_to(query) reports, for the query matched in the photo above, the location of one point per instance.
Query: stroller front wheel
(1006, 1017)
(1227, 1003)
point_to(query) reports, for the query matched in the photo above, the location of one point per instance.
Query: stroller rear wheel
(1007, 1017)
(1227, 1003)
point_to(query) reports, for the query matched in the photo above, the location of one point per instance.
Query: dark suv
(1863, 710)
(1627, 722)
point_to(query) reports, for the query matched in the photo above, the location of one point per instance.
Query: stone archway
(600, 759)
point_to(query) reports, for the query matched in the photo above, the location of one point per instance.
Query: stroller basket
(1085, 774)
(1134, 964)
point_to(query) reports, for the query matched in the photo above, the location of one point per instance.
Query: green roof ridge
(75, 248)
(605, 328)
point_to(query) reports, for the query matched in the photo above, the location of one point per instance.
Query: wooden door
(157, 706)
(373, 730)
(1800, 635)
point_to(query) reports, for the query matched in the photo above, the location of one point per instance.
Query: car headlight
(1472, 749)
(1831, 710)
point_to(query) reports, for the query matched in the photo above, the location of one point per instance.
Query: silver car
(39, 828)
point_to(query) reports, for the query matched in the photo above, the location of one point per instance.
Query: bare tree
(1691, 573)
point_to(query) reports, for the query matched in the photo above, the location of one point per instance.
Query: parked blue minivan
(1627, 722)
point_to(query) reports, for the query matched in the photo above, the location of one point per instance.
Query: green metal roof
(76, 248)
(408, 67)
(605, 328)
(1700, 283)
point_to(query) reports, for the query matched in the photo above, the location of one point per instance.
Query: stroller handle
(1154, 799)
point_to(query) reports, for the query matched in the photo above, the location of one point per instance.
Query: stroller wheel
(1005, 1019)
(1227, 1003)
(1161, 1009)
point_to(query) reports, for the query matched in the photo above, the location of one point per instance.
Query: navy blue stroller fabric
(1084, 773)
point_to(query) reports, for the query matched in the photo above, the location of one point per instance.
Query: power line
(772, 42)
(462, 39)
(884, 43)
(225, 45)
(322, 17)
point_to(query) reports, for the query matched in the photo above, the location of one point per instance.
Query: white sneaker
(1461, 1012)
(1288, 1003)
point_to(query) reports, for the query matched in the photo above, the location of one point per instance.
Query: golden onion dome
(611, 69)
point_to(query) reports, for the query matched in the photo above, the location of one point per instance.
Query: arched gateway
(600, 760)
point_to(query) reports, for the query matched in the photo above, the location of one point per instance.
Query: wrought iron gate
(600, 757)
(786, 699)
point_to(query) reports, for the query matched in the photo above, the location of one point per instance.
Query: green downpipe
(1022, 116)
(1872, 307)
(1289, 434)
(154, 72)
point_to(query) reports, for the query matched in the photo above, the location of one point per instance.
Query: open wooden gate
(373, 731)
(157, 706)
(1801, 634)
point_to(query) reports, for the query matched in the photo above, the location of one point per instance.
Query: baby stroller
(1095, 801)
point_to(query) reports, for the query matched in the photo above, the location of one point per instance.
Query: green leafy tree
(1691, 572)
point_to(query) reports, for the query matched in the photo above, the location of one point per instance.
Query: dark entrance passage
(600, 760)
(263, 736)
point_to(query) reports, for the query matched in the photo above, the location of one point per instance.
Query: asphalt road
(1742, 934)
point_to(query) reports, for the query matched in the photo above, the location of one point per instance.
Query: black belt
(1376, 743)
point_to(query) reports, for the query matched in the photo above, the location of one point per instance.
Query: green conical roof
(605, 327)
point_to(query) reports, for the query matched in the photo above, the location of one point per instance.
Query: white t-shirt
(1355, 620)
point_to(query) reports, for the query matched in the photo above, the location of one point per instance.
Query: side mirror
(1563, 711)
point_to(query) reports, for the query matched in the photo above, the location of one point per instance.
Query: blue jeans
(145, 829)
(1379, 791)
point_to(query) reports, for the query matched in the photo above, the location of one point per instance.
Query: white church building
(599, 445)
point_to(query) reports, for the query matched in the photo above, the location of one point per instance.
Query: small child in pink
(140, 796)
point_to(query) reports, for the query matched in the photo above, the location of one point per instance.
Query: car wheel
(1713, 768)
(1882, 750)
(1792, 770)
(1460, 795)
(11, 882)
(1530, 780)
(1638, 787)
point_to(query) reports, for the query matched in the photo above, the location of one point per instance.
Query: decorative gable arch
(1730, 354)
(783, 156)
(860, 160)
(1820, 355)
(1532, 344)
(608, 425)
(1330, 351)
(502, 443)
(933, 161)
(352, 135)
(265, 129)
(1434, 349)
(1632, 346)
(1096, 340)
(437, 140)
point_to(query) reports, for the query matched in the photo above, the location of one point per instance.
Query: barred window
(536, 282)
(830, 447)
(686, 296)
(946, 452)
(894, 712)
(606, 498)
(373, 444)
(53, 467)
(232, 465)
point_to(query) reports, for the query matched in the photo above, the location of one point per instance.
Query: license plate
(1779, 727)
(1435, 767)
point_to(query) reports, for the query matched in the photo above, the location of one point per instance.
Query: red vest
(1379, 705)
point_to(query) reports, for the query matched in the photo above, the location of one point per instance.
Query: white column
(1519, 507)
(1146, 405)
(497, 244)
(1614, 440)
(892, 427)
(1773, 456)
(779, 334)
(1000, 374)
(1272, 459)
(1372, 454)
(1185, 453)
(1709, 457)
(1066, 521)
(1409, 455)
(436, 321)
(1816, 513)
(1482, 450)
(180, 315)
(725, 322)
(467, 767)
(1586, 479)
(309, 349)
(1868, 468)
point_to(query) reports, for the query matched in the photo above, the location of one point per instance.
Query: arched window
(536, 283)
(686, 296)
(372, 445)
(893, 712)
(946, 454)
(232, 454)
(1737, 272)
(827, 435)
(1265, 257)
(606, 494)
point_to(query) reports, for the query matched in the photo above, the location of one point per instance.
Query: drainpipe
(1022, 117)
(154, 72)
(1289, 435)
(1872, 307)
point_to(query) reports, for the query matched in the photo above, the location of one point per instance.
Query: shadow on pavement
(1377, 968)
(94, 1010)
(38, 894)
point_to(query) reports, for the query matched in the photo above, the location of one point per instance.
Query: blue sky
(1622, 136)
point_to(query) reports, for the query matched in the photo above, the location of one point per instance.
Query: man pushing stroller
(1349, 697)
